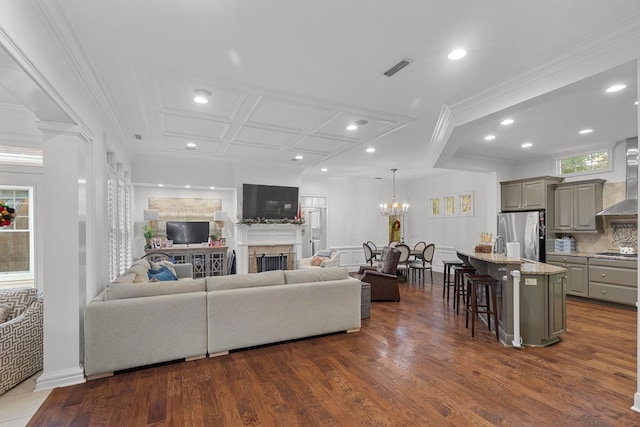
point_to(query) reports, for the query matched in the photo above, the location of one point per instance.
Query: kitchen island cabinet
(541, 302)
(577, 272)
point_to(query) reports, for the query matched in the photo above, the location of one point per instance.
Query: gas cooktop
(617, 254)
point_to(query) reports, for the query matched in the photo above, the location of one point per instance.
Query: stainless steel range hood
(629, 206)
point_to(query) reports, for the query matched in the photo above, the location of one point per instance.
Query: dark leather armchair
(383, 279)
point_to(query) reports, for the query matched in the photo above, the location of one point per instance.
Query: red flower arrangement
(6, 214)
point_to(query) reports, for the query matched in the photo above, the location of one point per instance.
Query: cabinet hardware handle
(604, 292)
(602, 274)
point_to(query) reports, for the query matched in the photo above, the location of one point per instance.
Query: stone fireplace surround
(269, 239)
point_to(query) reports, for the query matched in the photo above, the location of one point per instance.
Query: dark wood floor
(413, 363)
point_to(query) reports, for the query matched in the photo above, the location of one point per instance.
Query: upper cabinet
(576, 205)
(528, 194)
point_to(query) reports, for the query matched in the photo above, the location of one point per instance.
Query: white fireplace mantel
(265, 235)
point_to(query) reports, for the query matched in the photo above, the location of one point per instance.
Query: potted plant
(147, 232)
(213, 240)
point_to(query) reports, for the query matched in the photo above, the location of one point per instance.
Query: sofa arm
(364, 268)
(374, 275)
(184, 271)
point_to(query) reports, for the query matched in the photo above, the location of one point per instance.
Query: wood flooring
(413, 363)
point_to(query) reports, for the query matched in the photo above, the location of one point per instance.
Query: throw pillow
(167, 264)
(324, 253)
(140, 268)
(161, 275)
(317, 260)
(5, 312)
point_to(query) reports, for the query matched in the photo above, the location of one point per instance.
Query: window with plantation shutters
(118, 217)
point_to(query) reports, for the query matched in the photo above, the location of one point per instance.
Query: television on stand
(188, 232)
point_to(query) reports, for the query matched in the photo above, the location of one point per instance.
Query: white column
(62, 206)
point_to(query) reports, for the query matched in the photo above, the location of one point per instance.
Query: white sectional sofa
(136, 324)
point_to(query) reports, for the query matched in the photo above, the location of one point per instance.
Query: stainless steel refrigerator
(528, 229)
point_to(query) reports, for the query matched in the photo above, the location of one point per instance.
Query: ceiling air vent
(399, 66)
(137, 136)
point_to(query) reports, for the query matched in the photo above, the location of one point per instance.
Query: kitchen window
(585, 163)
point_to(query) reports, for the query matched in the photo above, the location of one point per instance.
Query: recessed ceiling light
(160, 185)
(371, 150)
(457, 54)
(506, 122)
(489, 137)
(191, 146)
(324, 170)
(187, 186)
(212, 188)
(299, 157)
(352, 127)
(585, 131)
(635, 103)
(202, 96)
(526, 145)
(615, 88)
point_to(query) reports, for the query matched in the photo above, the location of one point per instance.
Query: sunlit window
(595, 161)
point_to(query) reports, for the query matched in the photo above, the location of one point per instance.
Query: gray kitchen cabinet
(577, 272)
(613, 280)
(576, 205)
(527, 194)
(544, 296)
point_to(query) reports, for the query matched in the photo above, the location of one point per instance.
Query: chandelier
(394, 208)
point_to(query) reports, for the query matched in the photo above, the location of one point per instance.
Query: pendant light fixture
(394, 208)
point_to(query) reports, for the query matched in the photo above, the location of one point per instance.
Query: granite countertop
(592, 255)
(527, 267)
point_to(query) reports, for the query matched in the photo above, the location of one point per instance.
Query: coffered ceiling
(287, 77)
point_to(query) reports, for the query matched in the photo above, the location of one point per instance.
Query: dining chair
(403, 262)
(368, 254)
(419, 266)
(394, 243)
(418, 248)
(374, 248)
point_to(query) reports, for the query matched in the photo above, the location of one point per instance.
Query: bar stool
(477, 282)
(459, 272)
(447, 281)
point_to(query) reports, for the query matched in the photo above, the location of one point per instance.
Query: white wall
(452, 232)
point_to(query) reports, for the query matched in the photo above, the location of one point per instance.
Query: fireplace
(268, 258)
(275, 241)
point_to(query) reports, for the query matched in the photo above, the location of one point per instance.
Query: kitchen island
(540, 292)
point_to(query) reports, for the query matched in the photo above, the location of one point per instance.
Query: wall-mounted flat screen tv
(187, 232)
(269, 201)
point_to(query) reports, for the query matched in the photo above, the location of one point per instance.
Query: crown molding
(32, 71)
(56, 128)
(74, 52)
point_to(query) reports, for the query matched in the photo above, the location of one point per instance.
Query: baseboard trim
(60, 378)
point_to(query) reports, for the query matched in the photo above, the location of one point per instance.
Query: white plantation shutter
(118, 218)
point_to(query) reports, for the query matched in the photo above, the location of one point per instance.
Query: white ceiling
(287, 77)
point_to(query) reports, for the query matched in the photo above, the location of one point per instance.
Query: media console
(206, 260)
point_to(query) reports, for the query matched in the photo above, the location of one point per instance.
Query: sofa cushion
(137, 290)
(233, 281)
(140, 268)
(163, 274)
(315, 275)
(5, 312)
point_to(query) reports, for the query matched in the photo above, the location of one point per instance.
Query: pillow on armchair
(388, 263)
(317, 260)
